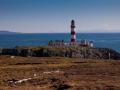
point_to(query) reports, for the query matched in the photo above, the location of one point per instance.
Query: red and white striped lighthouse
(73, 34)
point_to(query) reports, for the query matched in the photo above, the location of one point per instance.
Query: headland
(72, 49)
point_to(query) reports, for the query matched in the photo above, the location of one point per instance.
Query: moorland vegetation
(58, 73)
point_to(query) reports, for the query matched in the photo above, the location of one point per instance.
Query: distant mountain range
(7, 32)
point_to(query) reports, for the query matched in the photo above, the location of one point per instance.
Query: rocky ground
(71, 52)
(56, 73)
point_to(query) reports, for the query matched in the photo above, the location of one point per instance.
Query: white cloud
(105, 25)
(60, 26)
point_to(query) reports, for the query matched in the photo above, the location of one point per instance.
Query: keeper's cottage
(73, 41)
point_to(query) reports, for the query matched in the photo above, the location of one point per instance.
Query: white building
(62, 43)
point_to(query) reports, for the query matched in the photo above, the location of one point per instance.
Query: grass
(79, 74)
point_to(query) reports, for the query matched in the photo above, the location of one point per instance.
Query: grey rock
(76, 52)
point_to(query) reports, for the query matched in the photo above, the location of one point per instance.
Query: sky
(54, 16)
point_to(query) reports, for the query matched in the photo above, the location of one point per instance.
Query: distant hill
(7, 32)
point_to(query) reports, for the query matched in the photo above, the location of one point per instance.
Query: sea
(107, 40)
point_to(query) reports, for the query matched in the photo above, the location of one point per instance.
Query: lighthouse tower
(73, 34)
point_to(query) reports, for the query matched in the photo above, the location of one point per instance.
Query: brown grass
(75, 74)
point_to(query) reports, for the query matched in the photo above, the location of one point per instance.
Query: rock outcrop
(18, 51)
(72, 52)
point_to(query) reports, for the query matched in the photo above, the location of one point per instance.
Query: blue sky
(48, 16)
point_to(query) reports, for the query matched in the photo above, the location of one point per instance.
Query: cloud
(60, 26)
(105, 25)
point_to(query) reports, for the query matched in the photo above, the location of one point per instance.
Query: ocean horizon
(108, 40)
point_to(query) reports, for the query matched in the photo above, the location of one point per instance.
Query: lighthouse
(73, 34)
(73, 41)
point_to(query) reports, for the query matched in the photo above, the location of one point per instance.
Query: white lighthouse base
(62, 43)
